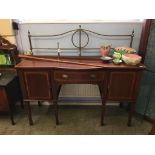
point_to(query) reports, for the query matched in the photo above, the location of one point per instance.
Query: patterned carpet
(75, 120)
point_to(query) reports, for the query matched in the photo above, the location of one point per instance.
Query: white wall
(6, 29)
(54, 28)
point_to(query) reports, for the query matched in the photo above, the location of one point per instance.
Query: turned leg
(11, 115)
(131, 112)
(28, 110)
(56, 112)
(39, 103)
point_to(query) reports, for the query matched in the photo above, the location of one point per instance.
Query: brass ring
(79, 36)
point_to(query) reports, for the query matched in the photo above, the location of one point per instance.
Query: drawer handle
(93, 76)
(65, 76)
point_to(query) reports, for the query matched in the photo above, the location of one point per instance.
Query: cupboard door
(37, 84)
(3, 100)
(122, 86)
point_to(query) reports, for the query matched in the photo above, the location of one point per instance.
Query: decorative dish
(106, 59)
(131, 59)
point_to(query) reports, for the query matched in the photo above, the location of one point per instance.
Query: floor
(74, 120)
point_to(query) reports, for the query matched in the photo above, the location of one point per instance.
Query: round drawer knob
(65, 76)
(93, 76)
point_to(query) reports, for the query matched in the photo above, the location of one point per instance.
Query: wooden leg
(39, 103)
(55, 90)
(152, 132)
(121, 105)
(131, 112)
(103, 103)
(103, 113)
(22, 104)
(11, 115)
(12, 120)
(56, 112)
(28, 110)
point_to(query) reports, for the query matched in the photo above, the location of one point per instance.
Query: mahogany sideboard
(42, 80)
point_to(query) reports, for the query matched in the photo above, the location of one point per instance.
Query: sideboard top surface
(36, 64)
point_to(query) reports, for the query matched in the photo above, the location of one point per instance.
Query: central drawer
(79, 76)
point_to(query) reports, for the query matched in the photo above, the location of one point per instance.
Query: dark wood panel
(3, 100)
(121, 85)
(13, 91)
(37, 84)
(22, 84)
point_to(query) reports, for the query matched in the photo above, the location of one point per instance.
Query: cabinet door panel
(122, 85)
(3, 100)
(37, 84)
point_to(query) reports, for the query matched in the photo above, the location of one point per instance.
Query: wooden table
(9, 92)
(42, 80)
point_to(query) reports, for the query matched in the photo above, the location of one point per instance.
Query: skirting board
(79, 101)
